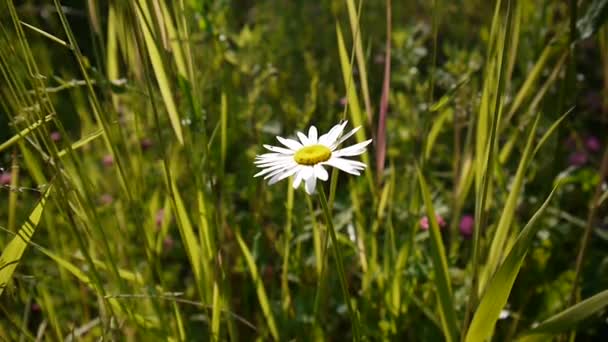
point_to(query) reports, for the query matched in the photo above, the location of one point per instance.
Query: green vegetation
(129, 131)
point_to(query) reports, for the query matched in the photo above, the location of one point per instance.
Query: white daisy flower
(307, 158)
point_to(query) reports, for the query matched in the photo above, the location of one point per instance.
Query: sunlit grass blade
(11, 255)
(45, 34)
(440, 265)
(24, 133)
(216, 313)
(384, 99)
(144, 322)
(528, 87)
(499, 287)
(435, 129)
(259, 286)
(568, 319)
(175, 41)
(487, 130)
(351, 92)
(550, 131)
(143, 16)
(498, 248)
(353, 100)
(185, 229)
(355, 26)
(286, 300)
(82, 142)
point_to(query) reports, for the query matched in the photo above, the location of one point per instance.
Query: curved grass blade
(355, 26)
(440, 264)
(24, 132)
(143, 15)
(353, 100)
(498, 248)
(567, 319)
(499, 287)
(259, 287)
(11, 256)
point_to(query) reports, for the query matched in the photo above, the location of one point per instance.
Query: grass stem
(340, 265)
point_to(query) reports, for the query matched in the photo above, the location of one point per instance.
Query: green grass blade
(216, 313)
(186, 231)
(286, 300)
(440, 265)
(528, 88)
(353, 101)
(259, 287)
(435, 129)
(567, 319)
(351, 93)
(82, 142)
(11, 255)
(499, 287)
(23, 133)
(498, 247)
(159, 70)
(550, 131)
(356, 31)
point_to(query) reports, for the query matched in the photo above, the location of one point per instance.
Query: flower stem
(340, 265)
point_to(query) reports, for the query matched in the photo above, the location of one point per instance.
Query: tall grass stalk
(354, 318)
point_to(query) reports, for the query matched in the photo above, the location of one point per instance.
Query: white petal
(279, 170)
(274, 168)
(273, 161)
(312, 134)
(298, 179)
(307, 172)
(330, 137)
(279, 149)
(320, 172)
(268, 155)
(344, 137)
(310, 185)
(292, 144)
(344, 165)
(284, 174)
(354, 150)
(303, 139)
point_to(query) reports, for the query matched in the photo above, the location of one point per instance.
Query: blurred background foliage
(138, 123)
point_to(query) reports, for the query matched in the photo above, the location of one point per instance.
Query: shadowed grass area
(129, 132)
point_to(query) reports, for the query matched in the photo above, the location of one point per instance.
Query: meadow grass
(129, 131)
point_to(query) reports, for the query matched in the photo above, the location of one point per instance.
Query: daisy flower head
(306, 158)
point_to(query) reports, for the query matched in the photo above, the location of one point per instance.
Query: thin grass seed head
(306, 158)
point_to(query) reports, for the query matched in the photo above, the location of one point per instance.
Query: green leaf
(440, 265)
(11, 256)
(499, 287)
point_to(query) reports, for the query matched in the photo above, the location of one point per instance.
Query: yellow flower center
(311, 155)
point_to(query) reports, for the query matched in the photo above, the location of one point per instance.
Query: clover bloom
(467, 224)
(425, 224)
(306, 159)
